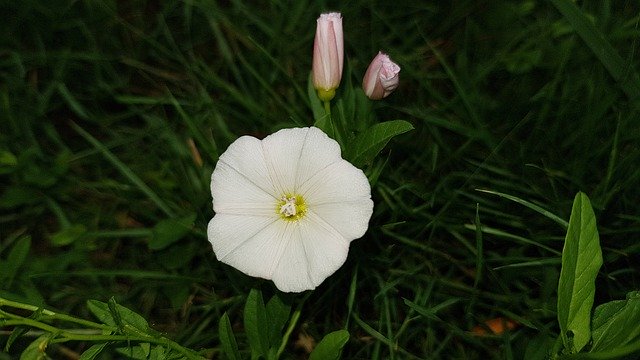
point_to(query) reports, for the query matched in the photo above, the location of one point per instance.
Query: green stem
(292, 324)
(49, 313)
(61, 335)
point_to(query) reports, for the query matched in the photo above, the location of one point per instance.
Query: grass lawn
(113, 115)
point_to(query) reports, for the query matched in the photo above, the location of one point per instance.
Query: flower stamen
(291, 207)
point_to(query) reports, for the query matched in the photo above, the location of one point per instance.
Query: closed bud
(381, 78)
(328, 55)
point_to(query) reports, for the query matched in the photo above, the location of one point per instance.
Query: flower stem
(292, 324)
(334, 130)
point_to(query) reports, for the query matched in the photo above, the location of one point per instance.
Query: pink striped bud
(381, 78)
(328, 55)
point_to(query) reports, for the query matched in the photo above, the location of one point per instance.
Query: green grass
(113, 115)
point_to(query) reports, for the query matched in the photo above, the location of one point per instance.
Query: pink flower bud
(381, 77)
(328, 55)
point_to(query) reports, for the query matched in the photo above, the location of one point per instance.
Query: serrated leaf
(581, 260)
(330, 347)
(616, 323)
(37, 349)
(93, 351)
(277, 316)
(366, 146)
(168, 231)
(227, 338)
(255, 324)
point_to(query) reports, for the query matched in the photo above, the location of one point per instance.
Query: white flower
(287, 207)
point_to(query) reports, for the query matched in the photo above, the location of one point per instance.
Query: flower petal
(319, 151)
(326, 249)
(252, 245)
(227, 232)
(240, 182)
(282, 153)
(349, 218)
(338, 183)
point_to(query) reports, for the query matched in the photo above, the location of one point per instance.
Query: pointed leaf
(369, 143)
(255, 324)
(314, 101)
(93, 351)
(277, 316)
(168, 231)
(227, 338)
(616, 323)
(36, 350)
(15, 259)
(330, 347)
(581, 260)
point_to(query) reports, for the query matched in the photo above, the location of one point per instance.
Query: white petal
(340, 182)
(261, 254)
(326, 249)
(349, 218)
(319, 151)
(292, 273)
(282, 153)
(314, 252)
(240, 182)
(228, 232)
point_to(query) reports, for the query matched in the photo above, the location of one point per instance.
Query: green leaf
(168, 231)
(581, 260)
(369, 143)
(277, 316)
(620, 70)
(314, 101)
(255, 324)
(69, 235)
(14, 261)
(36, 350)
(93, 351)
(330, 347)
(15, 196)
(115, 314)
(227, 338)
(616, 323)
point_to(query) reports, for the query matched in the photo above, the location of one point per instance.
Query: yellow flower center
(291, 207)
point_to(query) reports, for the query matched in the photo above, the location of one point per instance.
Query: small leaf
(616, 323)
(330, 347)
(14, 261)
(69, 235)
(227, 338)
(16, 333)
(581, 260)
(36, 350)
(93, 351)
(368, 144)
(314, 101)
(15, 196)
(255, 324)
(114, 314)
(277, 316)
(168, 231)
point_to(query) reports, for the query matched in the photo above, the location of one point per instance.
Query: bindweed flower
(287, 207)
(328, 55)
(381, 78)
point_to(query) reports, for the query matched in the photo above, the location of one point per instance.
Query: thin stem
(54, 315)
(292, 324)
